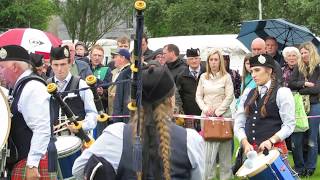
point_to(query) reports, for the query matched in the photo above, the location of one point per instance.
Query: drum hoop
(69, 151)
(9, 118)
(262, 168)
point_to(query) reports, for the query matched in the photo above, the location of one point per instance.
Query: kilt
(19, 170)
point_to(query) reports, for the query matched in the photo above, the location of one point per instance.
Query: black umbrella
(286, 33)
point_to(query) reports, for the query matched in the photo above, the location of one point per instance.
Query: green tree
(89, 20)
(25, 13)
(186, 17)
(191, 17)
(155, 17)
(311, 12)
(300, 12)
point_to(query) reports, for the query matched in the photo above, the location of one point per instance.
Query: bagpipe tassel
(52, 156)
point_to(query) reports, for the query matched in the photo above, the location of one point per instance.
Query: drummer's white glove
(251, 155)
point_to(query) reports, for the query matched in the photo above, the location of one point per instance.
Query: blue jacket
(83, 69)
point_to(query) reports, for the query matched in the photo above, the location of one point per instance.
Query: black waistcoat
(76, 104)
(259, 129)
(179, 160)
(20, 133)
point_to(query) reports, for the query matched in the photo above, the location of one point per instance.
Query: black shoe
(301, 173)
(309, 172)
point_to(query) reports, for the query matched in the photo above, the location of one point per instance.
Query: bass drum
(5, 119)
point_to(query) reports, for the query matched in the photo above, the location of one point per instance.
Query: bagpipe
(102, 119)
(72, 118)
(136, 85)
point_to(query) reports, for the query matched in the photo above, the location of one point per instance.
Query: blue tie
(61, 84)
(195, 74)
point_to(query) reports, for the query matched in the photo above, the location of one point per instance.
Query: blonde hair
(162, 114)
(313, 61)
(222, 68)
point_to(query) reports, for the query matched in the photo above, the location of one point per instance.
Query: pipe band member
(82, 103)
(266, 114)
(168, 151)
(30, 128)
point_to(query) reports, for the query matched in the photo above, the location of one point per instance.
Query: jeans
(297, 142)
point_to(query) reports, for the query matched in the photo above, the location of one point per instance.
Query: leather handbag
(218, 130)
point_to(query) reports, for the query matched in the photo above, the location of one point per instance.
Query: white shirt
(109, 146)
(285, 103)
(90, 121)
(118, 71)
(34, 106)
(268, 84)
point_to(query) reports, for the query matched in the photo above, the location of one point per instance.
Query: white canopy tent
(227, 43)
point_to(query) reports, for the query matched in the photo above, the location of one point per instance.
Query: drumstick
(59, 130)
(59, 125)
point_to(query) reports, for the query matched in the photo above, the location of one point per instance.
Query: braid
(263, 110)
(134, 123)
(161, 118)
(251, 101)
(162, 114)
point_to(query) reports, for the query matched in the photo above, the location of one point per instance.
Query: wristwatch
(272, 141)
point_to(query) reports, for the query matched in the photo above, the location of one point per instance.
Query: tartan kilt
(19, 170)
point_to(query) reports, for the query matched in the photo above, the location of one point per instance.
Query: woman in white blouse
(214, 96)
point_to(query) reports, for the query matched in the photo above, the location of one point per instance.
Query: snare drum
(69, 149)
(270, 167)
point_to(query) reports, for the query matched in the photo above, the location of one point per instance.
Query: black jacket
(297, 80)
(187, 87)
(176, 68)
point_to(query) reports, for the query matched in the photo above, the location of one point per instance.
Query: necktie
(194, 73)
(61, 84)
(263, 91)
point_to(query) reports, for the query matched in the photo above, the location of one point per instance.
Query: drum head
(5, 119)
(259, 164)
(67, 144)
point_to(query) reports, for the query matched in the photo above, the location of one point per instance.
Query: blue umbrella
(286, 33)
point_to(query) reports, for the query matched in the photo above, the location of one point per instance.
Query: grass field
(316, 175)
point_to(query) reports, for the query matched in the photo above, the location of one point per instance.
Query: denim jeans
(297, 139)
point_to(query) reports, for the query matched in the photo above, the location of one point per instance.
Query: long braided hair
(151, 130)
(253, 99)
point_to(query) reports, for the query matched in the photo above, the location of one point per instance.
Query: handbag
(302, 123)
(306, 103)
(217, 130)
